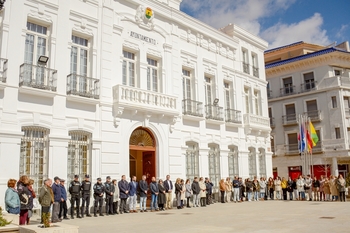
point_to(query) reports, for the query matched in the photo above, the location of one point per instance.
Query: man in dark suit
(168, 185)
(133, 186)
(123, 194)
(143, 188)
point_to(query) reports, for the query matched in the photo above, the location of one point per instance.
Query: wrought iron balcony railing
(192, 107)
(290, 119)
(37, 76)
(256, 72)
(292, 149)
(308, 86)
(3, 70)
(314, 115)
(83, 86)
(246, 68)
(213, 112)
(233, 116)
(290, 90)
(269, 93)
(272, 122)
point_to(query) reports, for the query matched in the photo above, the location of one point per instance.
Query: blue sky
(279, 22)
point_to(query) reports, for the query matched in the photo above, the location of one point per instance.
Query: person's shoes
(107, 214)
(141, 211)
(145, 211)
(126, 212)
(72, 217)
(188, 206)
(88, 215)
(95, 215)
(65, 218)
(121, 212)
(79, 216)
(101, 215)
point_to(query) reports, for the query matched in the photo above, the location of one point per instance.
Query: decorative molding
(46, 19)
(131, 45)
(145, 123)
(172, 123)
(145, 17)
(154, 53)
(83, 30)
(118, 112)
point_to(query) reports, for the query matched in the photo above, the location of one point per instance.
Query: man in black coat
(143, 188)
(124, 194)
(168, 185)
(85, 195)
(99, 190)
(74, 190)
(209, 188)
(196, 192)
(109, 190)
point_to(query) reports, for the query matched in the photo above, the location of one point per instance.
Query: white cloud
(249, 14)
(308, 30)
(342, 30)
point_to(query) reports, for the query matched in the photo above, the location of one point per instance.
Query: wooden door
(149, 165)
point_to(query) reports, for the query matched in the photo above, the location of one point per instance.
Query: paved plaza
(263, 216)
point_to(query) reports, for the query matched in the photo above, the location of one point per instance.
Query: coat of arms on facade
(144, 16)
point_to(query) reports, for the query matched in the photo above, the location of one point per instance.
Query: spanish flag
(314, 137)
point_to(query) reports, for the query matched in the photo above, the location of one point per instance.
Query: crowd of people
(20, 196)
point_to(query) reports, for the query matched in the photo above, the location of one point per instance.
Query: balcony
(290, 90)
(3, 70)
(272, 122)
(213, 112)
(269, 93)
(314, 115)
(136, 99)
(192, 108)
(308, 86)
(290, 119)
(291, 149)
(233, 116)
(336, 81)
(83, 86)
(318, 148)
(334, 144)
(246, 68)
(347, 112)
(255, 72)
(252, 120)
(39, 77)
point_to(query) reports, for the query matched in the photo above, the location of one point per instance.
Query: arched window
(34, 154)
(233, 161)
(262, 162)
(214, 163)
(192, 160)
(79, 154)
(252, 162)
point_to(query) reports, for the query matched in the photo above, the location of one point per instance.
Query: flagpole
(312, 162)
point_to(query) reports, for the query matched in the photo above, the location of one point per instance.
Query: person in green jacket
(46, 197)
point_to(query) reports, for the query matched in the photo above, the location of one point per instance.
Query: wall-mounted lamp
(42, 59)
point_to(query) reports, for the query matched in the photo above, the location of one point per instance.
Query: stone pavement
(261, 217)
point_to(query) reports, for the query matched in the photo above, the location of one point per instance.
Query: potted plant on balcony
(3, 221)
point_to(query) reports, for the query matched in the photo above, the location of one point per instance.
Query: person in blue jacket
(12, 202)
(63, 203)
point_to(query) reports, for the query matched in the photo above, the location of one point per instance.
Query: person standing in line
(124, 194)
(209, 186)
(168, 185)
(74, 190)
(326, 189)
(290, 188)
(242, 189)
(222, 190)
(46, 197)
(133, 187)
(322, 196)
(334, 189)
(143, 194)
(155, 191)
(99, 191)
(63, 202)
(85, 195)
(203, 192)
(178, 190)
(236, 189)
(262, 185)
(300, 188)
(341, 184)
(196, 192)
(278, 188)
(31, 200)
(56, 189)
(109, 190)
(12, 202)
(256, 189)
(183, 193)
(271, 188)
(284, 186)
(316, 189)
(161, 196)
(24, 196)
(228, 189)
(115, 196)
(188, 192)
(308, 187)
(249, 188)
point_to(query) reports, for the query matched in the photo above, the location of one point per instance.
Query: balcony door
(293, 142)
(288, 86)
(311, 108)
(309, 81)
(290, 112)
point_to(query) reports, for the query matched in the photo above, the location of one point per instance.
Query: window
(273, 145)
(214, 164)
(293, 143)
(129, 69)
(255, 65)
(79, 61)
(311, 107)
(269, 91)
(252, 162)
(245, 61)
(186, 84)
(262, 162)
(227, 94)
(334, 102)
(247, 99)
(256, 101)
(337, 133)
(288, 86)
(152, 75)
(309, 81)
(79, 153)
(208, 91)
(34, 154)
(192, 161)
(337, 72)
(290, 112)
(36, 43)
(233, 162)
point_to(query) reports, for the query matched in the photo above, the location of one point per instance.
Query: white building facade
(130, 87)
(311, 80)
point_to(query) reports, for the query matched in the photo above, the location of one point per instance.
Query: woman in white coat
(278, 188)
(300, 188)
(115, 197)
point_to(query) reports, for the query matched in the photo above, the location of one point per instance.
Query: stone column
(335, 171)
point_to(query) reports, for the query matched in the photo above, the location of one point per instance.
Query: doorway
(142, 150)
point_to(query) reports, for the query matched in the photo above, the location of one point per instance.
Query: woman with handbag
(25, 197)
(12, 202)
(31, 200)
(178, 190)
(326, 189)
(341, 185)
(271, 188)
(188, 193)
